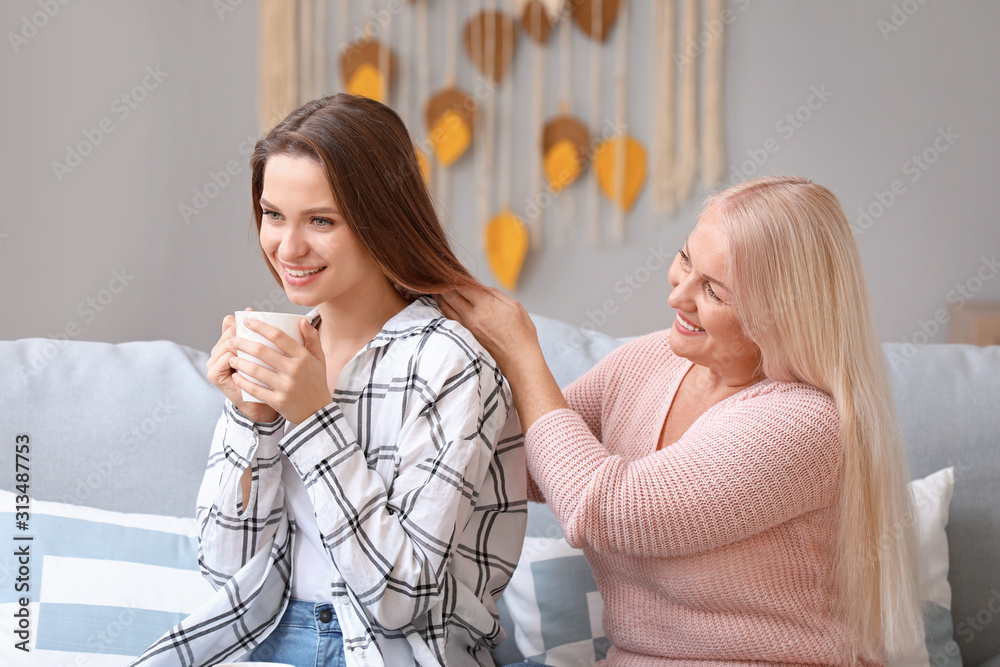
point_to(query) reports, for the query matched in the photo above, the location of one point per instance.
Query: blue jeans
(308, 635)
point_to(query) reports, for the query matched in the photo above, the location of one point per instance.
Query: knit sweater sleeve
(748, 464)
(585, 396)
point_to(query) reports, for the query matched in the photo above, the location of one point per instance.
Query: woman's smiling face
(707, 330)
(306, 238)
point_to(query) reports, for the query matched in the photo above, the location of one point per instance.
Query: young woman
(736, 482)
(371, 510)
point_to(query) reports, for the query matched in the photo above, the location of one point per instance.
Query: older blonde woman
(737, 481)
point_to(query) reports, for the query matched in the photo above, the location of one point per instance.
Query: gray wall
(102, 252)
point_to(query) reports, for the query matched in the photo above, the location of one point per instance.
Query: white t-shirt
(311, 562)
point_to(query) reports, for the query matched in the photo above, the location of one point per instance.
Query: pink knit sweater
(717, 549)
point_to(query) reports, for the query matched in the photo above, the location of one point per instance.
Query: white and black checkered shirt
(416, 472)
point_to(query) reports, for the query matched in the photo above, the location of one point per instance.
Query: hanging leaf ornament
(565, 142)
(631, 174)
(506, 247)
(484, 37)
(597, 17)
(538, 17)
(450, 117)
(360, 65)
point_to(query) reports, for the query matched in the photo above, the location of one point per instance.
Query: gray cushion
(124, 427)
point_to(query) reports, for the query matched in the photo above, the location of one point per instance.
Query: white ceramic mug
(287, 322)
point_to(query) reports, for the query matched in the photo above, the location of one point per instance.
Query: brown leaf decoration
(565, 150)
(366, 56)
(536, 21)
(450, 117)
(477, 41)
(583, 14)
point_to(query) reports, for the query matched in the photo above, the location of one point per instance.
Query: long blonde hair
(801, 296)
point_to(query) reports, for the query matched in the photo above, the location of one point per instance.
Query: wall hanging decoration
(567, 168)
(450, 117)
(621, 160)
(538, 19)
(506, 236)
(278, 69)
(713, 149)
(451, 112)
(490, 38)
(368, 67)
(596, 17)
(663, 168)
(312, 49)
(687, 151)
(423, 77)
(533, 139)
(406, 104)
(565, 148)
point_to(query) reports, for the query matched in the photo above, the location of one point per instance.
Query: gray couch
(127, 427)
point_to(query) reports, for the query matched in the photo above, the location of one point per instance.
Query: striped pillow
(102, 586)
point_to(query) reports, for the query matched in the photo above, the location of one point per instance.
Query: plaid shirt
(416, 472)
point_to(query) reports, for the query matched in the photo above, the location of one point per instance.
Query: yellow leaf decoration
(450, 136)
(562, 164)
(565, 143)
(608, 176)
(506, 247)
(368, 69)
(366, 82)
(450, 116)
(425, 165)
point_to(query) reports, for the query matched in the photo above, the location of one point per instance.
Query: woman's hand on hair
(499, 323)
(297, 386)
(503, 327)
(220, 373)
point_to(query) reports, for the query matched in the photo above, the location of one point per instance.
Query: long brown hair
(372, 169)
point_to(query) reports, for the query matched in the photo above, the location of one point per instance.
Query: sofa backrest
(123, 427)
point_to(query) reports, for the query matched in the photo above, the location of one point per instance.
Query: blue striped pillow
(102, 586)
